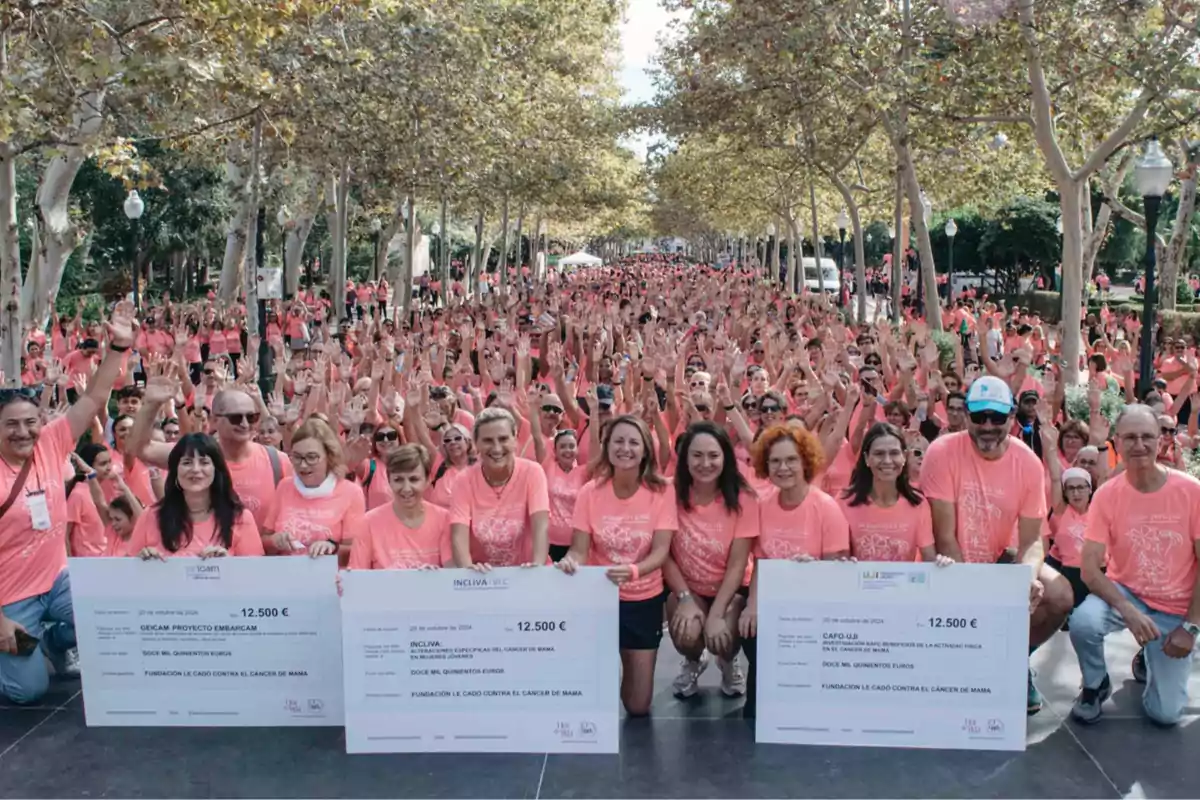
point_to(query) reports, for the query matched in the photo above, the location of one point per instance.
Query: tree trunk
(296, 237)
(897, 279)
(1173, 258)
(475, 268)
(10, 263)
(816, 235)
(250, 269)
(503, 282)
(860, 254)
(336, 217)
(795, 256)
(412, 236)
(59, 236)
(239, 180)
(933, 306)
(520, 262)
(443, 271)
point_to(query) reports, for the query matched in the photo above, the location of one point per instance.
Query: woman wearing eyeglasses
(411, 532)
(797, 521)
(318, 511)
(200, 514)
(889, 519)
(1070, 498)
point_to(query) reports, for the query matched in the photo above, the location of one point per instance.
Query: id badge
(39, 511)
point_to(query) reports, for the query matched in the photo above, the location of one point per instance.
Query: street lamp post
(134, 208)
(772, 266)
(843, 221)
(1152, 174)
(376, 227)
(951, 232)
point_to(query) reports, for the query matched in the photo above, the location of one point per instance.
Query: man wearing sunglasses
(984, 486)
(255, 468)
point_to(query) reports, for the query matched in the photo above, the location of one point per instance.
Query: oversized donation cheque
(512, 661)
(222, 642)
(893, 654)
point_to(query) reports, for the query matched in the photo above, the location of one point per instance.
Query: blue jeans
(1166, 690)
(49, 617)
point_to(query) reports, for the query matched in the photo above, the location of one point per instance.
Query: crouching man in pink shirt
(1146, 523)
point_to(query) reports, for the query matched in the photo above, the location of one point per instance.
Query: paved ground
(696, 749)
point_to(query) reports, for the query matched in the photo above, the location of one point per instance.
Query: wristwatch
(684, 596)
(1191, 628)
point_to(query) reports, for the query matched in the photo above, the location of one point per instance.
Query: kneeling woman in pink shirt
(410, 532)
(708, 569)
(200, 514)
(318, 511)
(624, 520)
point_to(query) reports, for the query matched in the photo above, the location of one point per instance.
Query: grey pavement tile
(63, 758)
(1144, 760)
(17, 722)
(714, 758)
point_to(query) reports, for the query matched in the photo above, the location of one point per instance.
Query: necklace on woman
(497, 488)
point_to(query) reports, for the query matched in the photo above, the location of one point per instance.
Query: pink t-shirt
(501, 534)
(816, 527)
(896, 533)
(379, 493)
(1150, 538)
(439, 493)
(837, 474)
(88, 538)
(622, 531)
(563, 488)
(146, 533)
(706, 533)
(387, 543)
(313, 519)
(989, 497)
(1069, 531)
(32, 559)
(254, 480)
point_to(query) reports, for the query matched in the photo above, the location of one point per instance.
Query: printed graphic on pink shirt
(881, 541)
(978, 514)
(499, 536)
(1155, 539)
(626, 539)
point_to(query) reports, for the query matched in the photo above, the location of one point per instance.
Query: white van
(829, 272)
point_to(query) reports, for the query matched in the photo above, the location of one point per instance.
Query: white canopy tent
(581, 259)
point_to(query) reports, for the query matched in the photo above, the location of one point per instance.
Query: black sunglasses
(769, 408)
(1169, 431)
(552, 409)
(387, 436)
(702, 408)
(989, 417)
(918, 453)
(237, 418)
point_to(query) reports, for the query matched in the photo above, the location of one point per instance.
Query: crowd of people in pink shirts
(669, 422)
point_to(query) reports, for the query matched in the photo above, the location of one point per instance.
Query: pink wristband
(633, 568)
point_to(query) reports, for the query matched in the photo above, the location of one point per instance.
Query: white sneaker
(733, 680)
(71, 663)
(685, 683)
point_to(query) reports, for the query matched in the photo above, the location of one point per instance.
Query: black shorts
(743, 591)
(1074, 575)
(642, 623)
(557, 551)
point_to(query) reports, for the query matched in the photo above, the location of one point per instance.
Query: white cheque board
(512, 661)
(217, 642)
(892, 654)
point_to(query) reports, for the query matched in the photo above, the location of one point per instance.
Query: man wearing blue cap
(988, 496)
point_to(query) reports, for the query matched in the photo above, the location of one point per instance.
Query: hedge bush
(1181, 323)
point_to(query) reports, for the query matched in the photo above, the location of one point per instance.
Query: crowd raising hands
(668, 422)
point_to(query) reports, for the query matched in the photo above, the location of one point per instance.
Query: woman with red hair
(797, 521)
